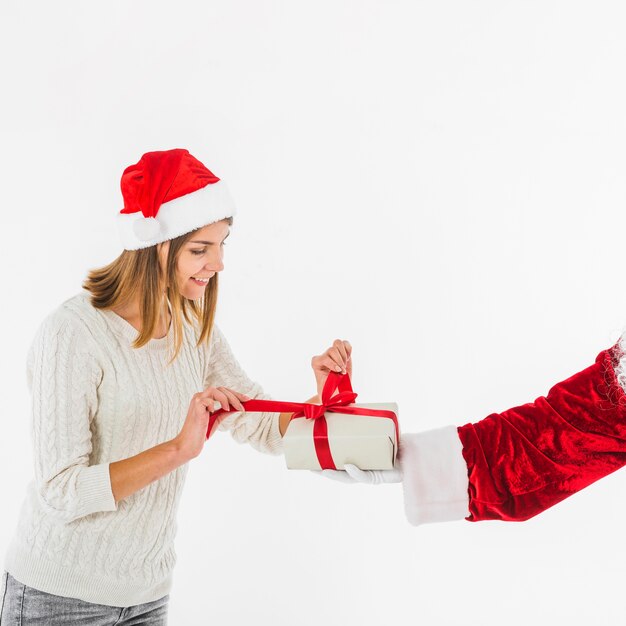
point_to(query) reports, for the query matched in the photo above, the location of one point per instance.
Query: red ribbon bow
(334, 404)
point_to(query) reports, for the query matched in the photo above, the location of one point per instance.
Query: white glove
(353, 474)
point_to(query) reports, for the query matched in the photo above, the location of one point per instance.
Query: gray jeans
(22, 605)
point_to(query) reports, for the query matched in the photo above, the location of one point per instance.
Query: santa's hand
(353, 474)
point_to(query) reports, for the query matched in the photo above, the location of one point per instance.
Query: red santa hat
(168, 193)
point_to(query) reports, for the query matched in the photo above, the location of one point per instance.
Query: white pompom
(146, 228)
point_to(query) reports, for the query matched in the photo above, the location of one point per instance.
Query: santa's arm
(515, 464)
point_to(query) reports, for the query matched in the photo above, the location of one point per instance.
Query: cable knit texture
(96, 400)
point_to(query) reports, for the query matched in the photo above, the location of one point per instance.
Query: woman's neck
(132, 314)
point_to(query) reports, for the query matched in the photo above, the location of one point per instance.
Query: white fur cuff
(435, 476)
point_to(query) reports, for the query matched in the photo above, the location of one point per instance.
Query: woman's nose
(215, 266)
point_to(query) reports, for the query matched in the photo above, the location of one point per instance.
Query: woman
(513, 465)
(115, 421)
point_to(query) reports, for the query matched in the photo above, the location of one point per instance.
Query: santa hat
(168, 193)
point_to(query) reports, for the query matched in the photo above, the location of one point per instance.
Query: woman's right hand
(193, 434)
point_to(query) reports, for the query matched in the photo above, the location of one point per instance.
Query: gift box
(367, 441)
(335, 432)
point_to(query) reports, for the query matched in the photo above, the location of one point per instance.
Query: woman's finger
(242, 396)
(317, 362)
(332, 365)
(339, 344)
(222, 398)
(205, 401)
(232, 398)
(335, 354)
(216, 394)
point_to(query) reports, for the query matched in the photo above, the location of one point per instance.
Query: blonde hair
(138, 273)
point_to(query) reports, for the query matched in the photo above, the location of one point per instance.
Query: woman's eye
(203, 251)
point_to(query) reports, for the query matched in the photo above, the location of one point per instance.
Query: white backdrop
(441, 183)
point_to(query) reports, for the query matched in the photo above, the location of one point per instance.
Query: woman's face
(201, 257)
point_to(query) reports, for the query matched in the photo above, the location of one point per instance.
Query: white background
(441, 183)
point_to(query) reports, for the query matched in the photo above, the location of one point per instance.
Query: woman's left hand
(337, 359)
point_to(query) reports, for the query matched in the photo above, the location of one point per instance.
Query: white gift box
(369, 442)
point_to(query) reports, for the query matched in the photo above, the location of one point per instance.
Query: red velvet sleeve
(526, 459)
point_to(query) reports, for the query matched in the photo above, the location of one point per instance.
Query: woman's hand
(337, 358)
(192, 436)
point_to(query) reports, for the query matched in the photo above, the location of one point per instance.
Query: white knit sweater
(96, 400)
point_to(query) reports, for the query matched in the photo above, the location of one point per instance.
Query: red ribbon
(334, 404)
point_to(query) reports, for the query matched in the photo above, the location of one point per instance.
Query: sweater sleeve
(260, 430)
(62, 378)
(513, 465)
